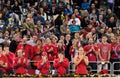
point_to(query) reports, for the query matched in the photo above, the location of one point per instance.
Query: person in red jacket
(20, 63)
(49, 49)
(91, 51)
(55, 47)
(37, 52)
(3, 61)
(61, 64)
(27, 49)
(44, 64)
(10, 57)
(80, 62)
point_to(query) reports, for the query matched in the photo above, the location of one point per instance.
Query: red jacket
(72, 51)
(10, 58)
(61, 67)
(44, 68)
(21, 68)
(55, 49)
(35, 50)
(3, 59)
(50, 55)
(27, 50)
(91, 55)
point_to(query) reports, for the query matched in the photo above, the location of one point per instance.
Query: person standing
(91, 51)
(80, 62)
(3, 61)
(104, 54)
(61, 64)
(20, 63)
(44, 64)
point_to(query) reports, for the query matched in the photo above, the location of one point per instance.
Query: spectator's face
(102, 24)
(92, 5)
(20, 53)
(110, 30)
(6, 49)
(113, 40)
(24, 40)
(6, 33)
(60, 55)
(68, 37)
(102, 31)
(48, 40)
(76, 11)
(104, 39)
(39, 23)
(93, 30)
(112, 19)
(100, 17)
(16, 3)
(62, 37)
(38, 42)
(54, 40)
(44, 4)
(81, 51)
(8, 2)
(60, 43)
(34, 38)
(68, 31)
(77, 35)
(90, 41)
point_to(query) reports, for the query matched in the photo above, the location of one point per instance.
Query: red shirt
(81, 68)
(91, 55)
(27, 50)
(21, 68)
(3, 59)
(44, 68)
(104, 49)
(50, 55)
(72, 51)
(37, 50)
(61, 67)
(55, 50)
(115, 48)
(10, 58)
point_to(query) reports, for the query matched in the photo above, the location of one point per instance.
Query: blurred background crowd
(38, 27)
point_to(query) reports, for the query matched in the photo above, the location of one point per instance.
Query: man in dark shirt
(14, 44)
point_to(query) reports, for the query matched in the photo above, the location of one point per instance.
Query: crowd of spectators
(62, 31)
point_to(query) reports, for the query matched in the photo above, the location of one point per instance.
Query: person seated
(44, 64)
(20, 63)
(80, 62)
(61, 64)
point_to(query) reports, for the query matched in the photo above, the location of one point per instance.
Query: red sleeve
(56, 63)
(39, 65)
(71, 51)
(46, 65)
(96, 48)
(85, 48)
(15, 62)
(26, 64)
(65, 63)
